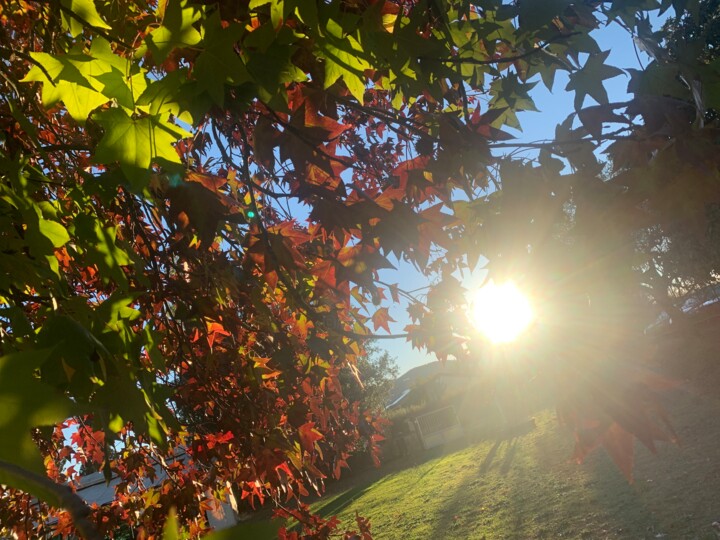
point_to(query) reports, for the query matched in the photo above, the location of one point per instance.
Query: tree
(695, 33)
(377, 373)
(678, 257)
(162, 291)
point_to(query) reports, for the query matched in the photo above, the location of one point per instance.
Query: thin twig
(98, 31)
(30, 59)
(504, 59)
(228, 160)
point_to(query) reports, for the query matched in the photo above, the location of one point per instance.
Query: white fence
(439, 427)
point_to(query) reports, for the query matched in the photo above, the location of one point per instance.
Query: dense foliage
(196, 200)
(681, 261)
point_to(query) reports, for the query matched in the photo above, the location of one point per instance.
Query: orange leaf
(381, 319)
(308, 436)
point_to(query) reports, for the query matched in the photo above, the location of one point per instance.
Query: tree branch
(54, 494)
(367, 337)
(98, 31)
(504, 59)
(30, 59)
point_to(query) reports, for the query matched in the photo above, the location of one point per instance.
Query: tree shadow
(338, 504)
(490, 457)
(509, 456)
(365, 480)
(672, 496)
(505, 445)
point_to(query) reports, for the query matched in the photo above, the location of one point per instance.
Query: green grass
(526, 487)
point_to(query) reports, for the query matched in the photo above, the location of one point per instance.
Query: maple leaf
(194, 206)
(176, 30)
(344, 59)
(381, 318)
(309, 436)
(27, 403)
(511, 95)
(589, 80)
(86, 11)
(136, 142)
(357, 116)
(215, 329)
(69, 82)
(219, 64)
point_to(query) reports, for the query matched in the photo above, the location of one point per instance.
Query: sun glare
(500, 312)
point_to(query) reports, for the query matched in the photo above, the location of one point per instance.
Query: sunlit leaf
(26, 403)
(86, 12)
(176, 29)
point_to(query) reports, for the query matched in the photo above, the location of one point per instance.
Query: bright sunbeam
(500, 312)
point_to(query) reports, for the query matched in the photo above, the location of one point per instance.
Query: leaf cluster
(197, 202)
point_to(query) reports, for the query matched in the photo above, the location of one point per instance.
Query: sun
(500, 312)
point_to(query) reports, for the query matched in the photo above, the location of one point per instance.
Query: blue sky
(554, 107)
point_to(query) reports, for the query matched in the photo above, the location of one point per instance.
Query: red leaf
(215, 329)
(381, 319)
(308, 436)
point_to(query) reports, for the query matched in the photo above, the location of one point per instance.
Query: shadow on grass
(338, 504)
(505, 445)
(674, 494)
(508, 456)
(363, 481)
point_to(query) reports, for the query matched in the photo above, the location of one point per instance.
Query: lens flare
(500, 312)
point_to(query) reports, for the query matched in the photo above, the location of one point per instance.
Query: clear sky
(554, 107)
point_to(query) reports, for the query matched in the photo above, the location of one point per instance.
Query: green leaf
(135, 143)
(589, 80)
(171, 529)
(272, 69)
(511, 94)
(101, 50)
(219, 63)
(84, 82)
(277, 8)
(26, 403)
(162, 98)
(125, 90)
(657, 80)
(123, 401)
(19, 322)
(547, 67)
(101, 249)
(534, 14)
(74, 360)
(68, 84)
(343, 59)
(43, 236)
(84, 9)
(54, 231)
(176, 31)
(116, 308)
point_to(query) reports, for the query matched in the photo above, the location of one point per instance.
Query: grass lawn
(525, 487)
